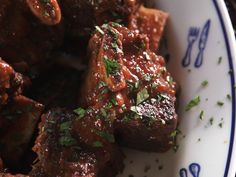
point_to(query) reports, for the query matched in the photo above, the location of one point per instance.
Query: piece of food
(150, 22)
(48, 11)
(126, 75)
(82, 15)
(26, 43)
(10, 83)
(76, 145)
(18, 120)
(127, 97)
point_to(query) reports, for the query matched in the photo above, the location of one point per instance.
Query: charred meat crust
(139, 83)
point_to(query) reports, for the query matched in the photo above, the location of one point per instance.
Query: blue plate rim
(232, 78)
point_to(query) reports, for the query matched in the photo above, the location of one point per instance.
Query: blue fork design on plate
(202, 43)
(192, 37)
(194, 169)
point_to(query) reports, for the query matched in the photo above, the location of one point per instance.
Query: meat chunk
(25, 42)
(18, 121)
(82, 15)
(150, 22)
(124, 73)
(76, 145)
(10, 83)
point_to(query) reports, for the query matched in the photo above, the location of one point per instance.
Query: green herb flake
(116, 47)
(101, 84)
(80, 112)
(228, 96)
(175, 133)
(52, 121)
(99, 30)
(220, 124)
(220, 103)
(103, 112)
(114, 102)
(219, 60)
(65, 126)
(201, 116)
(49, 130)
(142, 96)
(107, 136)
(204, 83)
(194, 102)
(67, 141)
(97, 144)
(111, 66)
(211, 121)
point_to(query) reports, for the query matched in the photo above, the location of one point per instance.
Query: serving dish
(202, 53)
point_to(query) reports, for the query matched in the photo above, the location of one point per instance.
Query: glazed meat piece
(82, 15)
(25, 42)
(10, 83)
(18, 120)
(150, 22)
(80, 145)
(125, 73)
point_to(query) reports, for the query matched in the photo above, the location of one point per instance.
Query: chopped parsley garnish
(103, 112)
(132, 86)
(147, 77)
(170, 80)
(204, 83)
(80, 112)
(67, 141)
(111, 66)
(211, 121)
(65, 126)
(116, 47)
(220, 103)
(220, 60)
(194, 102)
(142, 96)
(99, 30)
(220, 124)
(201, 116)
(114, 24)
(107, 136)
(97, 144)
(114, 102)
(101, 84)
(228, 96)
(175, 133)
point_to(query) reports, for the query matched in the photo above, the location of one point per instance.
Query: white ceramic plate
(206, 147)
